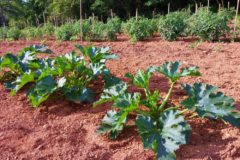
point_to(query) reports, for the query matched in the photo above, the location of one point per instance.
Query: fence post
(236, 20)
(196, 8)
(208, 5)
(169, 8)
(136, 14)
(81, 21)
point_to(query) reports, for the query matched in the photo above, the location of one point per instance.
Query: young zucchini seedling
(162, 127)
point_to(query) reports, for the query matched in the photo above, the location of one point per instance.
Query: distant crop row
(203, 24)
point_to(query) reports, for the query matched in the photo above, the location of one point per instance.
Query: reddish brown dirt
(63, 130)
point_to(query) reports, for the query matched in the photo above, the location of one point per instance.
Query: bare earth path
(63, 130)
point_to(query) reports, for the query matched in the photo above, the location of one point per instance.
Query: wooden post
(208, 5)
(85, 15)
(136, 14)
(236, 17)
(44, 18)
(169, 8)
(219, 7)
(196, 8)
(81, 21)
(111, 13)
(228, 5)
(93, 16)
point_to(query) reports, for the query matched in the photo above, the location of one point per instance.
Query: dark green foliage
(208, 25)
(14, 33)
(140, 29)
(32, 33)
(160, 124)
(204, 100)
(48, 30)
(173, 25)
(65, 32)
(3, 33)
(70, 74)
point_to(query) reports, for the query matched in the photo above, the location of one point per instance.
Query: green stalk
(167, 97)
(138, 111)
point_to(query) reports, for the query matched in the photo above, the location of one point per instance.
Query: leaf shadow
(237, 104)
(206, 141)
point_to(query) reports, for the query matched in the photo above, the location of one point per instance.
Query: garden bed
(63, 130)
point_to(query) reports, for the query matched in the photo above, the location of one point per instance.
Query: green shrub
(103, 31)
(138, 29)
(86, 29)
(3, 33)
(70, 74)
(115, 23)
(14, 33)
(208, 25)
(173, 25)
(32, 33)
(65, 32)
(48, 30)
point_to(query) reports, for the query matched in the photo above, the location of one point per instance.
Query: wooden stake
(111, 13)
(136, 14)
(93, 16)
(208, 5)
(169, 8)
(196, 8)
(228, 5)
(236, 17)
(81, 21)
(219, 7)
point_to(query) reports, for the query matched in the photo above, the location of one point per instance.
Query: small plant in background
(64, 32)
(115, 23)
(139, 29)
(71, 74)
(160, 123)
(173, 25)
(48, 30)
(32, 33)
(3, 33)
(13, 33)
(208, 25)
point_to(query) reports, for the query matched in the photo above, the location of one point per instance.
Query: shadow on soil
(206, 140)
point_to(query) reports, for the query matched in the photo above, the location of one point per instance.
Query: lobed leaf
(208, 103)
(173, 72)
(43, 89)
(20, 82)
(165, 134)
(112, 92)
(112, 123)
(141, 79)
(83, 95)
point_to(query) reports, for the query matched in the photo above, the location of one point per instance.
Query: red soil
(63, 130)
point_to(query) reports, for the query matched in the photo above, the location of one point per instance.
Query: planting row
(204, 24)
(161, 125)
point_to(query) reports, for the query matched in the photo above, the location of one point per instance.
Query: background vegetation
(24, 13)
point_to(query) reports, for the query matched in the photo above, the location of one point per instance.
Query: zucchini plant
(161, 125)
(71, 74)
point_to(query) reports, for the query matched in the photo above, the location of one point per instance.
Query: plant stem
(142, 112)
(171, 108)
(183, 111)
(167, 97)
